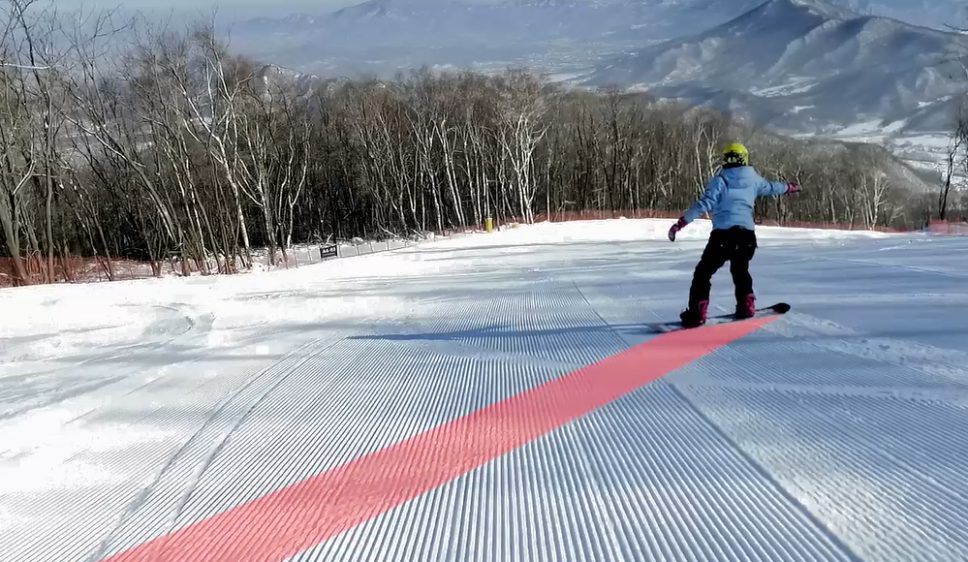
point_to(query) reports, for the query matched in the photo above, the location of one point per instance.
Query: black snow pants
(735, 245)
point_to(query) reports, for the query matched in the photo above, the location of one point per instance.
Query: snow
(921, 150)
(862, 128)
(936, 142)
(835, 433)
(895, 126)
(874, 131)
(796, 85)
(557, 77)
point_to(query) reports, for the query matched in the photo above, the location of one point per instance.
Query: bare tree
(27, 135)
(523, 106)
(152, 142)
(956, 159)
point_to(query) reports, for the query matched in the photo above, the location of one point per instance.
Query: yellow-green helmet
(736, 154)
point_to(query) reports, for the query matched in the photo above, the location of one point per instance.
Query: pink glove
(793, 187)
(680, 224)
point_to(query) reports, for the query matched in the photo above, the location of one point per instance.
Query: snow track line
(879, 460)
(933, 395)
(545, 320)
(111, 384)
(186, 466)
(176, 417)
(762, 471)
(292, 519)
(940, 363)
(642, 478)
(604, 322)
(911, 268)
(846, 470)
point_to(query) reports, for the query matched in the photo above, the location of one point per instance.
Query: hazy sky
(225, 7)
(228, 10)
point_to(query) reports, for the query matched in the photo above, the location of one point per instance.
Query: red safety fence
(946, 227)
(831, 226)
(72, 269)
(569, 216)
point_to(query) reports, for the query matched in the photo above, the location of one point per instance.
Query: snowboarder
(729, 197)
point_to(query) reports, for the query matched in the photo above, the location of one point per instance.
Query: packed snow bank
(46, 321)
(75, 323)
(148, 405)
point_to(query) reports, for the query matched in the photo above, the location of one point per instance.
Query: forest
(124, 139)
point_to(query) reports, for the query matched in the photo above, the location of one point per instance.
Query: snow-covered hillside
(806, 66)
(497, 397)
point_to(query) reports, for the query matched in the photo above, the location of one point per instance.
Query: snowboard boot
(746, 307)
(694, 317)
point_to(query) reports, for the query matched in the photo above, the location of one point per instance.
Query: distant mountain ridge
(522, 20)
(701, 13)
(797, 62)
(560, 36)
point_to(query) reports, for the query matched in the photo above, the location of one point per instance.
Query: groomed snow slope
(132, 409)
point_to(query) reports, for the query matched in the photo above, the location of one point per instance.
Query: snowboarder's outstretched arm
(765, 188)
(710, 198)
(705, 204)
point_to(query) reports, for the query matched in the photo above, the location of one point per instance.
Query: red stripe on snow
(290, 520)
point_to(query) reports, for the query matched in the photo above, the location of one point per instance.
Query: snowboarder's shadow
(508, 332)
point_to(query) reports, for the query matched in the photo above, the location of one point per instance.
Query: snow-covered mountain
(543, 17)
(383, 36)
(437, 22)
(931, 13)
(804, 63)
(302, 85)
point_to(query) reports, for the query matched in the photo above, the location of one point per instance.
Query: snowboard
(772, 310)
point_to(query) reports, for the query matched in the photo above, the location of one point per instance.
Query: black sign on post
(328, 251)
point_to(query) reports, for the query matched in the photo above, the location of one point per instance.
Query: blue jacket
(730, 196)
